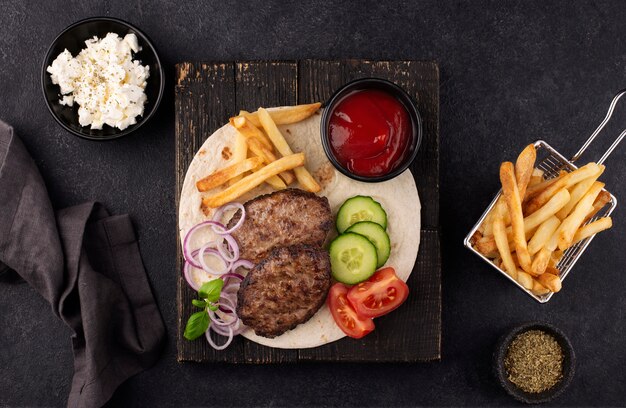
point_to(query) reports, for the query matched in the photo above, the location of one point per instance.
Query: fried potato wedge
(251, 181)
(543, 234)
(550, 282)
(246, 128)
(286, 115)
(222, 176)
(558, 201)
(514, 204)
(577, 192)
(535, 189)
(258, 149)
(540, 263)
(525, 279)
(593, 228)
(305, 178)
(536, 177)
(603, 199)
(240, 153)
(502, 242)
(566, 181)
(569, 226)
(524, 166)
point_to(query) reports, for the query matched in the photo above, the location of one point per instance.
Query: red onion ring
(220, 211)
(224, 331)
(186, 252)
(242, 263)
(221, 321)
(228, 324)
(233, 274)
(212, 343)
(188, 277)
(231, 246)
(206, 250)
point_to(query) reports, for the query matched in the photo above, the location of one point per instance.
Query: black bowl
(569, 362)
(400, 95)
(73, 39)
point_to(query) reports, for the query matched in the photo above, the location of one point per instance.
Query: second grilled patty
(284, 290)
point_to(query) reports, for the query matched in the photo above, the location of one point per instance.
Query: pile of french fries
(261, 155)
(536, 220)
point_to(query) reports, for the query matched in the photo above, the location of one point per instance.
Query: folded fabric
(86, 264)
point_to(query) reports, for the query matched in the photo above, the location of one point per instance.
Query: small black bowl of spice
(534, 362)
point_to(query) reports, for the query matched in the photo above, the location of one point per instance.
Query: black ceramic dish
(398, 93)
(569, 362)
(73, 38)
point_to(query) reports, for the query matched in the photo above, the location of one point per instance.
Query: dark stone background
(511, 72)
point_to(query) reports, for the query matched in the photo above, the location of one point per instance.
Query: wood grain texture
(208, 94)
(259, 84)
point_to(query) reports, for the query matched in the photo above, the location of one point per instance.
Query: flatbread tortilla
(398, 197)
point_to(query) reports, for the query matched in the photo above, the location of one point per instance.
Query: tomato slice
(344, 314)
(378, 295)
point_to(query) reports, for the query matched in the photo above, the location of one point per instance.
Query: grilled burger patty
(284, 290)
(286, 217)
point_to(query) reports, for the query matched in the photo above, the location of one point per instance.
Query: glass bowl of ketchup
(371, 130)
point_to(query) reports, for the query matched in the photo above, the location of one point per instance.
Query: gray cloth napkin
(86, 264)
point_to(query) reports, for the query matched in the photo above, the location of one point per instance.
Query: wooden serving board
(207, 94)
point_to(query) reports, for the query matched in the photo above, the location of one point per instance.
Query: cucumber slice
(360, 208)
(353, 258)
(377, 236)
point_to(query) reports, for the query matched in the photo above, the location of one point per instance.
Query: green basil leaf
(211, 290)
(213, 306)
(197, 324)
(199, 303)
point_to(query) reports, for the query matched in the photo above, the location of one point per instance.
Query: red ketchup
(370, 132)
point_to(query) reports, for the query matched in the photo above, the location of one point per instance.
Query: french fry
(540, 263)
(486, 245)
(543, 234)
(288, 177)
(536, 177)
(553, 271)
(555, 258)
(246, 128)
(251, 181)
(305, 178)
(525, 279)
(566, 181)
(539, 289)
(258, 149)
(223, 175)
(550, 208)
(502, 243)
(286, 115)
(603, 198)
(523, 171)
(550, 282)
(577, 192)
(497, 261)
(268, 157)
(569, 226)
(514, 204)
(535, 189)
(524, 166)
(592, 228)
(240, 152)
(275, 182)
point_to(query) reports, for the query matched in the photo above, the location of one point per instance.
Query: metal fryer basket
(551, 162)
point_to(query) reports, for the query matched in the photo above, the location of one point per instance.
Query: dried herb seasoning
(534, 361)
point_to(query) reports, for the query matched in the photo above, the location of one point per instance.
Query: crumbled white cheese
(104, 81)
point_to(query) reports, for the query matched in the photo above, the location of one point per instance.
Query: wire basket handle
(599, 129)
